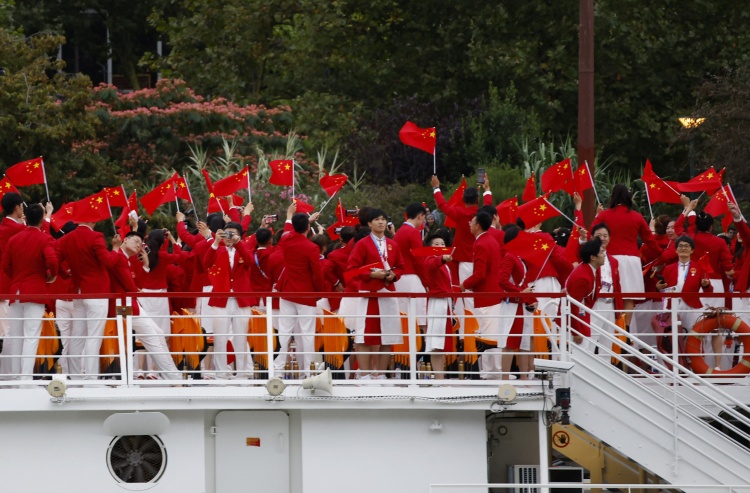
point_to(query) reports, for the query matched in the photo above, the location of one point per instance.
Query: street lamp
(690, 123)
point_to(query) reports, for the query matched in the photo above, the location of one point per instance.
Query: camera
(529, 308)
(352, 213)
(338, 230)
(272, 218)
(481, 173)
(230, 235)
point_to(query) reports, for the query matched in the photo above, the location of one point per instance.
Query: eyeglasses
(683, 246)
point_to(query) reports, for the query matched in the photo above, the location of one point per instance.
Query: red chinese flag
(531, 247)
(583, 178)
(658, 190)
(162, 194)
(282, 172)
(421, 138)
(537, 211)
(214, 204)
(92, 208)
(529, 191)
(27, 173)
(62, 216)
(182, 190)
(573, 247)
(304, 207)
(333, 183)
(232, 183)
(456, 199)
(709, 181)
(6, 186)
(351, 274)
(122, 221)
(116, 196)
(559, 176)
(428, 251)
(507, 211)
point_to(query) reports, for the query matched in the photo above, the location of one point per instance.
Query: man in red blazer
(11, 224)
(409, 237)
(89, 261)
(741, 280)
(581, 286)
(464, 240)
(228, 262)
(303, 274)
(29, 263)
(121, 281)
(485, 278)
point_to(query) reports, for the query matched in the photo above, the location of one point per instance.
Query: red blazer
(156, 277)
(199, 245)
(439, 278)
(260, 272)
(461, 215)
(122, 280)
(513, 276)
(303, 269)
(743, 275)
(558, 265)
(499, 236)
(28, 259)
(88, 258)
(581, 286)
(625, 227)
(225, 278)
(486, 276)
(364, 253)
(692, 285)
(408, 237)
(718, 253)
(339, 258)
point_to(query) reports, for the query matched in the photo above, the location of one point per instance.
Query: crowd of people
(616, 260)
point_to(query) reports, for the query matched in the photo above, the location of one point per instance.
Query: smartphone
(660, 278)
(481, 174)
(146, 249)
(352, 212)
(272, 218)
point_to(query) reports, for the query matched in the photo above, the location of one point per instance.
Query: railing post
(121, 343)
(129, 339)
(673, 320)
(269, 337)
(675, 381)
(564, 330)
(411, 321)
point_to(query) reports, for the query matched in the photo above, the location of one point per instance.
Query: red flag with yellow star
(709, 181)
(537, 211)
(532, 248)
(91, 209)
(304, 206)
(62, 216)
(421, 138)
(583, 179)
(162, 194)
(122, 222)
(27, 173)
(181, 188)
(529, 191)
(282, 172)
(6, 186)
(232, 183)
(507, 211)
(116, 196)
(559, 176)
(333, 183)
(718, 205)
(658, 190)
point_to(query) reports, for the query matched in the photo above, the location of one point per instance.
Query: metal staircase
(658, 420)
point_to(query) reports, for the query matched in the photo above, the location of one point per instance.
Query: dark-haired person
(29, 262)
(463, 240)
(439, 309)
(260, 270)
(376, 323)
(303, 273)
(228, 262)
(626, 227)
(11, 224)
(121, 281)
(607, 283)
(686, 276)
(485, 280)
(581, 286)
(337, 260)
(409, 237)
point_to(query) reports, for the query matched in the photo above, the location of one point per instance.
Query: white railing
(547, 487)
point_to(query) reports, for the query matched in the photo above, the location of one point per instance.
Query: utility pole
(586, 150)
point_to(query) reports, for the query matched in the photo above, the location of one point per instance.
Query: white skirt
(437, 321)
(631, 274)
(487, 319)
(390, 320)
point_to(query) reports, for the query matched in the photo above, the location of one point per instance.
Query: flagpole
(44, 173)
(434, 159)
(249, 193)
(561, 213)
(327, 201)
(593, 184)
(648, 199)
(292, 180)
(187, 185)
(544, 264)
(109, 208)
(176, 200)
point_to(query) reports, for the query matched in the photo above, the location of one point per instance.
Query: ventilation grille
(526, 475)
(136, 458)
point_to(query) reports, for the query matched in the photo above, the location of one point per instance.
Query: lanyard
(384, 251)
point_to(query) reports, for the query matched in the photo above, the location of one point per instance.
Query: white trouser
(231, 323)
(293, 315)
(606, 310)
(64, 311)
(205, 310)
(158, 309)
(4, 362)
(86, 337)
(30, 328)
(465, 270)
(153, 340)
(548, 306)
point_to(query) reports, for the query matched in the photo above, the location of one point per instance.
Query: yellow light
(691, 122)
